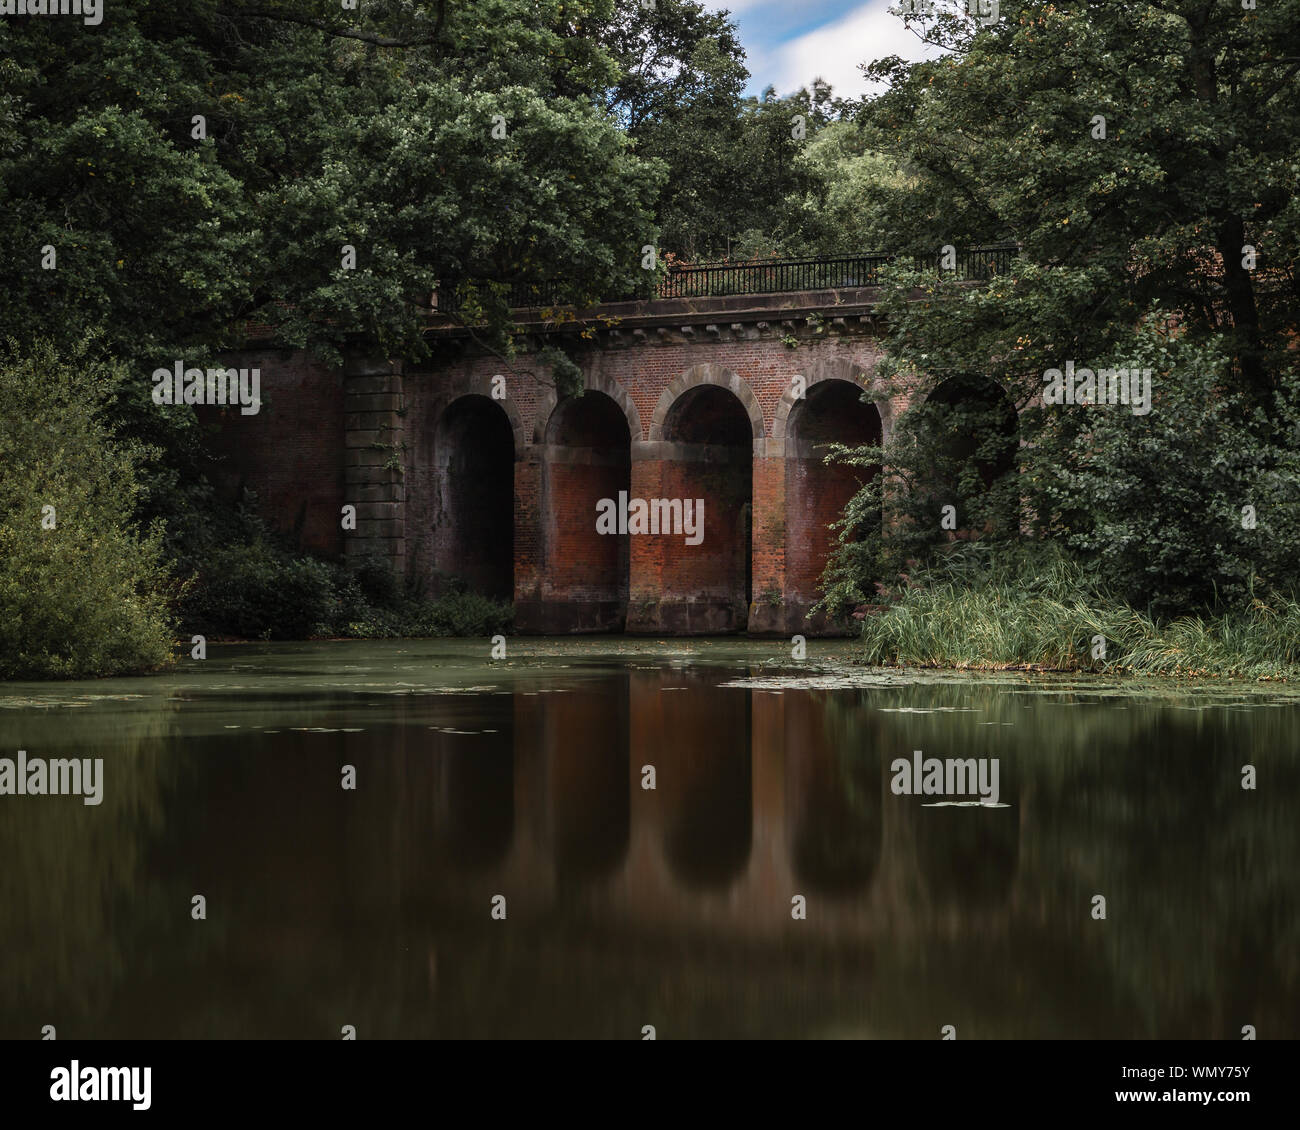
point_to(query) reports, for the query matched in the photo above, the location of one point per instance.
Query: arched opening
(816, 492)
(587, 459)
(709, 464)
(971, 427)
(473, 534)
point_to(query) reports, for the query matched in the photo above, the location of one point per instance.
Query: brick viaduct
(496, 482)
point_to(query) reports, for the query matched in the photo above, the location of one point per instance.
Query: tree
(188, 169)
(1144, 156)
(1137, 148)
(678, 96)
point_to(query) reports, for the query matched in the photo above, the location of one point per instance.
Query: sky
(791, 42)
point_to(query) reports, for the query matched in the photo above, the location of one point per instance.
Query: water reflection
(836, 806)
(699, 744)
(475, 798)
(670, 905)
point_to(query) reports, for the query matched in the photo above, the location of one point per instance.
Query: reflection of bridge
(473, 468)
(756, 801)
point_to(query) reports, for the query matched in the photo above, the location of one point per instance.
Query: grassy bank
(1054, 619)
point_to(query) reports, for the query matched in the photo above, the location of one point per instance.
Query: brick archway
(817, 492)
(481, 385)
(708, 374)
(832, 369)
(584, 462)
(475, 452)
(699, 459)
(592, 382)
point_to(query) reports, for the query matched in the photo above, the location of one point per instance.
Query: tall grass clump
(1029, 606)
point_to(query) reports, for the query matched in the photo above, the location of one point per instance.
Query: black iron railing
(770, 276)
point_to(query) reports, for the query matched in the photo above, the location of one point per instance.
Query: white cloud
(733, 6)
(834, 51)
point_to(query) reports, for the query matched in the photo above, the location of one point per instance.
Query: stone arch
(828, 369)
(708, 374)
(593, 382)
(817, 492)
(480, 384)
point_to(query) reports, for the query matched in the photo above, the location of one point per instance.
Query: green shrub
(379, 585)
(467, 614)
(82, 591)
(258, 592)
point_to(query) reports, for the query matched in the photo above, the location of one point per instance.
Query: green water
(627, 906)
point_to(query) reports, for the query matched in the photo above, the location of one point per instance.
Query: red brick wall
(580, 563)
(770, 525)
(293, 455)
(716, 568)
(291, 452)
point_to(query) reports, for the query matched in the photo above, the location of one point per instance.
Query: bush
(377, 583)
(467, 614)
(82, 591)
(258, 592)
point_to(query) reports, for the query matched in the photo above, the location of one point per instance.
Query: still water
(627, 906)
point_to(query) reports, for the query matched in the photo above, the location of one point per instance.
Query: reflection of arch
(705, 781)
(834, 799)
(474, 453)
(592, 382)
(585, 742)
(716, 376)
(970, 855)
(832, 411)
(586, 459)
(476, 798)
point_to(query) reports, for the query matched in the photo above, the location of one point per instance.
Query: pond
(593, 837)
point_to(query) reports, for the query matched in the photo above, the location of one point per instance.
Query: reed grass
(977, 614)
